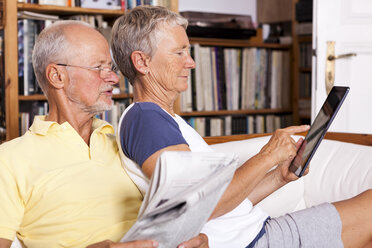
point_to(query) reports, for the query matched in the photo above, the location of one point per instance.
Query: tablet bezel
(300, 170)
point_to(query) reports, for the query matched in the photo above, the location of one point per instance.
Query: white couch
(338, 170)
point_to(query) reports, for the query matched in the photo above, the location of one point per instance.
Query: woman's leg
(356, 217)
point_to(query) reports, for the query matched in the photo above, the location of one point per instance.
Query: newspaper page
(184, 190)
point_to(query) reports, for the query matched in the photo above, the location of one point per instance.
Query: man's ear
(140, 61)
(56, 75)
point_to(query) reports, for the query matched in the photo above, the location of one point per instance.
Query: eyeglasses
(99, 68)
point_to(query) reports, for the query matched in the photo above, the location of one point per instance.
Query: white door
(349, 24)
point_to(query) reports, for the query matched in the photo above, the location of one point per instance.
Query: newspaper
(184, 190)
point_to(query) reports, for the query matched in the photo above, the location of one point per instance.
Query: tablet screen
(318, 129)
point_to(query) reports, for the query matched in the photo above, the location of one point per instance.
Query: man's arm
(5, 243)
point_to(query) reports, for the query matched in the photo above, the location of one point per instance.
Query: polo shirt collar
(41, 127)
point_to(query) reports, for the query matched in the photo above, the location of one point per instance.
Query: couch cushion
(338, 171)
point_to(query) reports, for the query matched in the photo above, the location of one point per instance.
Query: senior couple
(62, 183)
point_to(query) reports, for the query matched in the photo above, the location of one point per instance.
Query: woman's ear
(140, 61)
(56, 75)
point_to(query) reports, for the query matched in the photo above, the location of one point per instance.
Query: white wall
(240, 7)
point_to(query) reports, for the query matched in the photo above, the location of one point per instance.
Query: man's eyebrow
(105, 62)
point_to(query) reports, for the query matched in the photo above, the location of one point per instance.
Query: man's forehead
(77, 34)
(87, 44)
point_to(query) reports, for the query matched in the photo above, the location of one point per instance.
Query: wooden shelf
(236, 112)
(304, 38)
(40, 97)
(32, 98)
(236, 43)
(61, 10)
(122, 96)
(304, 69)
(301, 116)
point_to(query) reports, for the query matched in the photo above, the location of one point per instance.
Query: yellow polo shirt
(56, 191)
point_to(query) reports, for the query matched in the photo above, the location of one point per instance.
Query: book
(206, 77)
(183, 191)
(102, 4)
(36, 16)
(221, 78)
(199, 85)
(304, 28)
(53, 2)
(29, 32)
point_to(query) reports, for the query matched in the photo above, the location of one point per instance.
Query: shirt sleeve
(145, 129)
(11, 207)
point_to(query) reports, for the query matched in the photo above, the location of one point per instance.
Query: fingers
(299, 143)
(296, 129)
(200, 241)
(281, 145)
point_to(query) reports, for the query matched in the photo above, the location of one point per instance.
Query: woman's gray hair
(50, 47)
(137, 30)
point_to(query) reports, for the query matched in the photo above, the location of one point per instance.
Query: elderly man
(62, 183)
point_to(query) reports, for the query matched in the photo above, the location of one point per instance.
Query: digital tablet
(318, 129)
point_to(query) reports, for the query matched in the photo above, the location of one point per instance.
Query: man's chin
(100, 108)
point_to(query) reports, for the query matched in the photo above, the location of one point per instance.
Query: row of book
(101, 4)
(130, 4)
(306, 51)
(27, 33)
(305, 85)
(304, 108)
(29, 26)
(229, 125)
(28, 110)
(235, 78)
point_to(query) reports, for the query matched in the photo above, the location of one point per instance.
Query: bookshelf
(240, 116)
(14, 101)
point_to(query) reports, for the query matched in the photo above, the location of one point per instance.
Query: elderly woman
(151, 48)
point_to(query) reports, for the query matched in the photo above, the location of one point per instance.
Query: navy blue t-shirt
(145, 129)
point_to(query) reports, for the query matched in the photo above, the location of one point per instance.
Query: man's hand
(282, 147)
(200, 241)
(133, 244)
(5, 243)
